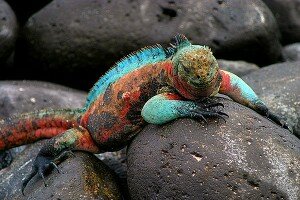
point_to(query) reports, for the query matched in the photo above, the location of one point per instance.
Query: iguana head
(196, 70)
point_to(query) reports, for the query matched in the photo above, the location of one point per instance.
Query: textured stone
(239, 68)
(80, 177)
(279, 86)
(8, 31)
(291, 52)
(248, 157)
(25, 96)
(71, 40)
(287, 14)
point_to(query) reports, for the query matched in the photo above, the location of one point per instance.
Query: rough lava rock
(71, 40)
(8, 31)
(287, 14)
(239, 68)
(248, 157)
(291, 52)
(25, 96)
(81, 177)
(279, 86)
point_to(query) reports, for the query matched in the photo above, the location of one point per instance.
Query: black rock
(239, 68)
(287, 14)
(248, 157)
(291, 52)
(71, 40)
(8, 32)
(81, 177)
(279, 86)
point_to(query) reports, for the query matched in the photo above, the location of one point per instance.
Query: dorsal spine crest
(129, 63)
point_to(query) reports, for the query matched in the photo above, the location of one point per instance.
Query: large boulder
(279, 86)
(25, 96)
(81, 177)
(8, 32)
(71, 40)
(287, 14)
(248, 157)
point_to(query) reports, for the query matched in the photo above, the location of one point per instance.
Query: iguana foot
(43, 165)
(200, 111)
(201, 114)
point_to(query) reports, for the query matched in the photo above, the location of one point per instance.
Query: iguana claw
(40, 166)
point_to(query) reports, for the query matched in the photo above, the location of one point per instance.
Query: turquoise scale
(128, 64)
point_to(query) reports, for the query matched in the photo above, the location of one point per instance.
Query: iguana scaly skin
(153, 85)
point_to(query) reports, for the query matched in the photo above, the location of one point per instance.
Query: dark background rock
(239, 68)
(248, 157)
(279, 86)
(81, 177)
(8, 32)
(25, 8)
(25, 96)
(72, 40)
(291, 52)
(287, 14)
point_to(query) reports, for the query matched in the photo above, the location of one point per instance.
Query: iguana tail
(30, 127)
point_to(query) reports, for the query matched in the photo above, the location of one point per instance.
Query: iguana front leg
(166, 107)
(235, 88)
(77, 138)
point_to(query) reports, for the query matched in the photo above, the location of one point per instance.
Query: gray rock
(69, 39)
(239, 68)
(8, 31)
(81, 177)
(279, 86)
(248, 157)
(287, 14)
(291, 52)
(25, 96)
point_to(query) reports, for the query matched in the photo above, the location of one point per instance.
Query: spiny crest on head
(177, 42)
(129, 63)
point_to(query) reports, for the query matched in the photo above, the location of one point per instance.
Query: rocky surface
(239, 68)
(25, 96)
(8, 31)
(279, 86)
(287, 14)
(81, 177)
(291, 52)
(71, 40)
(248, 157)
